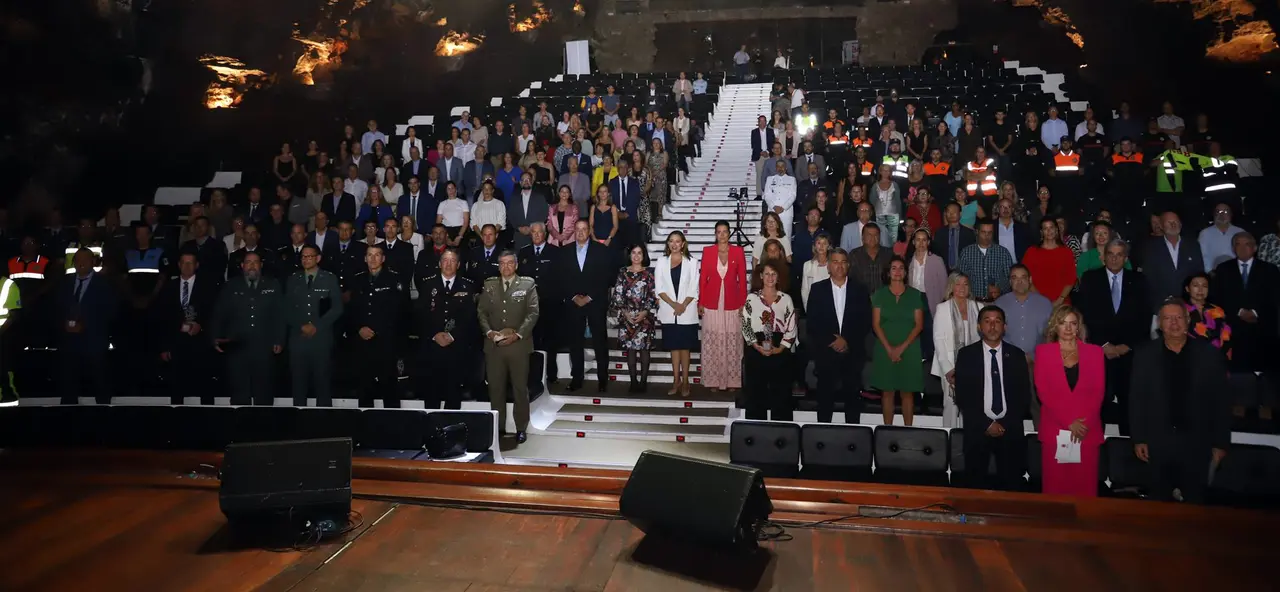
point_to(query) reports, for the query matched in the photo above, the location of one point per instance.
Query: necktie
(506, 286)
(953, 246)
(537, 251)
(1244, 274)
(186, 292)
(448, 285)
(488, 253)
(344, 248)
(310, 279)
(413, 207)
(253, 285)
(997, 389)
(80, 285)
(1115, 293)
(253, 207)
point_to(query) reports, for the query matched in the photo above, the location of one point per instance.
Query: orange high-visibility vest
(863, 142)
(867, 169)
(942, 168)
(988, 176)
(1064, 162)
(31, 270)
(1118, 158)
(834, 140)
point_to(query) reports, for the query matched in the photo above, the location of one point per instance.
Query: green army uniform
(515, 307)
(10, 303)
(250, 317)
(316, 300)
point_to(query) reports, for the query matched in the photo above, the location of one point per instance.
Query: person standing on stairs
(582, 289)
(657, 168)
(722, 288)
(780, 194)
(677, 288)
(634, 305)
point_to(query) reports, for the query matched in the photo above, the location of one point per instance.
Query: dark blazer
(1163, 280)
(287, 260)
(593, 279)
(473, 176)
(1208, 407)
(756, 148)
(169, 315)
(428, 264)
(822, 325)
(537, 267)
(802, 167)
(584, 164)
(328, 254)
(517, 216)
(480, 268)
(450, 170)
(425, 217)
(1262, 296)
(366, 168)
(93, 314)
(433, 314)
(1022, 239)
(1131, 325)
(631, 205)
(439, 193)
(212, 258)
(347, 265)
(399, 258)
(939, 243)
(971, 374)
(408, 170)
(805, 192)
(345, 212)
(260, 214)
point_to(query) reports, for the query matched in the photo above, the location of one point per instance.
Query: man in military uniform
(483, 263)
(248, 326)
(448, 330)
(398, 253)
(428, 263)
(536, 262)
(289, 257)
(375, 320)
(313, 306)
(508, 310)
(350, 254)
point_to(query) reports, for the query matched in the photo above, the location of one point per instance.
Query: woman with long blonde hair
(1070, 380)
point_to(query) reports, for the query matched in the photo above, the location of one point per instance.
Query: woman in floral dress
(657, 169)
(639, 168)
(635, 307)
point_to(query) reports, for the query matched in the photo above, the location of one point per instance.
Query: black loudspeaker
(686, 498)
(296, 479)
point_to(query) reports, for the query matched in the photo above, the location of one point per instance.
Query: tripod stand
(739, 236)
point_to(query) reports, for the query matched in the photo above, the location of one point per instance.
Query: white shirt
(1168, 122)
(524, 204)
(190, 284)
(320, 235)
(812, 274)
(781, 62)
(1215, 245)
(780, 192)
(1005, 238)
(986, 381)
(492, 212)
(838, 294)
(797, 98)
(522, 142)
(1082, 128)
(1173, 250)
(392, 195)
(1241, 265)
(466, 152)
(356, 187)
(451, 212)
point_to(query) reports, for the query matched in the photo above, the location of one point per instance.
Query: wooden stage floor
(141, 521)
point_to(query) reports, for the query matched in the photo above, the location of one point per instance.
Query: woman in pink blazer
(1071, 380)
(561, 218)
(722, 289)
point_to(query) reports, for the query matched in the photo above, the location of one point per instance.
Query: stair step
(635, 414)
(654, 397)
(639, 431)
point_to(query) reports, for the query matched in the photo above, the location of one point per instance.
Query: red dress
(931, 220)
(1052, 270)
(1060, 406)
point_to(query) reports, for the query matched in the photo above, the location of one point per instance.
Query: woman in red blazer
(1070, 379)
(722, 290)
(561, 219)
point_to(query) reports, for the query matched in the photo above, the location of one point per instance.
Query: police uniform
(347, 263)
(144, 274)
(513, 306)
(252, 319)
(483, 264)
(316, 300)
(441, 373)
(378, 302)
(237, 257)
(537, 264)
(10, 304)
(289, 259)
(33, 281)
(399, 258)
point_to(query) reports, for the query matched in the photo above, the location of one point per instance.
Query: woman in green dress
(897, 318)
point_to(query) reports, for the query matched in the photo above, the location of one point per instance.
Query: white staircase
(702, 197)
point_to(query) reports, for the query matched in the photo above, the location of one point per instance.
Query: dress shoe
(521, 437)
(602, 387)
(574, 385)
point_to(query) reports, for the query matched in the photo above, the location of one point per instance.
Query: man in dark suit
(254, 211)
(434, 188)
(415, 168)
(839, 319)
(86, 305)
(417, 204)
(210, 252)
(537, 260)
(761, 138)
(807, 188)
(809, 157)
(482, 264)
(183, 323)
(289, 257)
(398, 254)
(1114, 303)
(625, 191)
(583, 275)
(338, 205)
(449, 331)
(993, 391)
(1168, 263)
(952, 238)
(1018, 236)
(325, 238)
(1179, 406)
(524, 209)
(349, 256)
(363, 162)
(450, 166)
(474, 172)
(428, 263)
(276, 228)
(1248, 290)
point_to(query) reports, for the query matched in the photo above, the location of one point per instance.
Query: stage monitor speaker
(708, 502)
(300, 479)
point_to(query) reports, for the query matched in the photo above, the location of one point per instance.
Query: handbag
(448, 442)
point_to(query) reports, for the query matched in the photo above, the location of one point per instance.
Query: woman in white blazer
(955, 325)
(676, 283)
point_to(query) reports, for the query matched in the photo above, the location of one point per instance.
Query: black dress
(679, 337)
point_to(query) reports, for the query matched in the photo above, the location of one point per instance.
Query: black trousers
(1183, 464)
(546, 338)
(190, 371)
(1009, 450)
(1118, 374)
(768, 382)
(579, 319)
(10, 344)
(81, 366)
(251, 375)
(442, 374)
(839, 378)
(376, 377)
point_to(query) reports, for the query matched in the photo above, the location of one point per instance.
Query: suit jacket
(631, 203)
(399, 258)
(806, 191)
(412, 169)
(540, 267)
(1207, 405)
(1022, 239)
(802, 166)
(970, 392)
(288, 260)
(556, 233)
(328, 253)
(473, 175)
(1163, 279)
(822, 325)
(425, 217)
(592, 279)
(170, 316)
(260, 214)
(347, 265)
(1131, 324)
(450, 170)
(437, 307)
(481, 268)
(687, 288)
(518, 216)
(365, 168)
(584, 164)
(1060, 404)
(1254, 341)
(756, 148)
(944, 339)
(93, 314)
(939, 243)
(438, 192)
(344, 212)
(212, 258)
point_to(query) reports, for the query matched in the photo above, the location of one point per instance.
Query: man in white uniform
(780, 195)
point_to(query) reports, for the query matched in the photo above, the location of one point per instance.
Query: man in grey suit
(1168, 263)
(450, 166)
(473, 175)
(807, 157)
(524, 209)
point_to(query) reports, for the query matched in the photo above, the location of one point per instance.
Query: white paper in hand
(1068, 451)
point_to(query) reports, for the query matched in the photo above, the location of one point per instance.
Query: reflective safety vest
(863, 142)
(70, 255)
(149, 261)
(841, 140)
(10, 300)
(1119, 158)
(1173, 164)
(1219, 173)
(1066, 162)
(805, 123)
(899, 164)
(986, 172)
(27, 270)
(867, 169)
(829, 125)
(941, 168)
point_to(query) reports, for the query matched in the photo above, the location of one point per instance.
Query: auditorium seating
(910, 456)
(772, 447)
(836, 452)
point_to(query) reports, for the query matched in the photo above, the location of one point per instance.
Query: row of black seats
(1249, 476)
(386, 433)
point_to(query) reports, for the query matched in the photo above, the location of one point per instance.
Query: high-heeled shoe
(684, 389)
(675, 388)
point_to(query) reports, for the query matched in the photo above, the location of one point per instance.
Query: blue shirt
(953, 122)
(699, 87)
(582, 254)
(1025, 321)
(1051, 132)
(367, 140)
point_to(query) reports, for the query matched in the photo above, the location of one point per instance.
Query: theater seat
(391, 433)
(1249, 476)
(911, 456)
(836, 452)
(960, 476)
(327, 422)
(1129, 476)
(142, 427)
(1034, 469)
(772, 447)
(265, 424)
